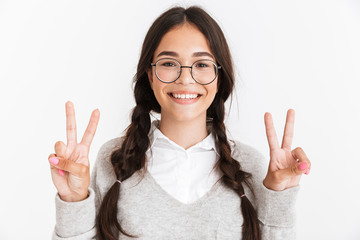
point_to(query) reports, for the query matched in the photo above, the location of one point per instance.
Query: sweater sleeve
(76, 220)
(275, 209)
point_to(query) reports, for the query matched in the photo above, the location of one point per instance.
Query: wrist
(269, 184)
(74, 197)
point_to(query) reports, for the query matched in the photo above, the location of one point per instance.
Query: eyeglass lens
(203, 71)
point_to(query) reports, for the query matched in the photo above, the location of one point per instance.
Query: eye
(168, 64)
(202, 64)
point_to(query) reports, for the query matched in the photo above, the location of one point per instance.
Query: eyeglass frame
(218, 67)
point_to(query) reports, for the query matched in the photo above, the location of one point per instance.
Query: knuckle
(294, 170)
(299, 149)
(59, 148)
(58, 144)
(70, 128)
(65, 164)
(89, 132)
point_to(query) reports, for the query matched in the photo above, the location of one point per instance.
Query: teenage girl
(179, 177)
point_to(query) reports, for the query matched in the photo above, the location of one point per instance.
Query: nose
(185, 76)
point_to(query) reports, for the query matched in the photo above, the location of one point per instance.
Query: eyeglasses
(168, 70)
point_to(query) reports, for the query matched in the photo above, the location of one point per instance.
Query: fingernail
(54, 160)
(61, 172)
(307, 172)
(303, 166)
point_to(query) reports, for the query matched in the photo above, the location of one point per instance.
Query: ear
(150, 76)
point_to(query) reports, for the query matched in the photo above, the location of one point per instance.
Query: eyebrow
(195, 54)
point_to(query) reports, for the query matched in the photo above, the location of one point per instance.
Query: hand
(286, 166)
(70, 164)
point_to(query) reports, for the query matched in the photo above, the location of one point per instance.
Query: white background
(288, 54)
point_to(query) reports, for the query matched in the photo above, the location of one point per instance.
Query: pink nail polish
(307, 172)
(54, 160)
(303, 166)
(61, 172)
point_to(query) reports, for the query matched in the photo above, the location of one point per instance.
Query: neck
(184, 133)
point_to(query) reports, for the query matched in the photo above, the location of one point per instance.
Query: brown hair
(130, 157)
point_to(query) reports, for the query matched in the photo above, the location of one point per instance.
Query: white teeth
(185, 96)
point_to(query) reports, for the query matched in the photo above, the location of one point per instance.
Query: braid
(126, 160)
(131, 156)
(233, 175)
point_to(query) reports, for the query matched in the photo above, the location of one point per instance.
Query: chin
(187, 116)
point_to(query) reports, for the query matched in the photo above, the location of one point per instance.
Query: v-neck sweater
(148, 211)
(185, 174)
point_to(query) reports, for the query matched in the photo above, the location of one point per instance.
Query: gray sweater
(146, 210)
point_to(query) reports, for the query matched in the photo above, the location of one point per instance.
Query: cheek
(158, 88)
(212, 90)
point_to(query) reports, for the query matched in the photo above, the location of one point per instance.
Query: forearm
(276, 213)
(75, 220)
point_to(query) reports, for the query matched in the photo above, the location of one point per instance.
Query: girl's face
(186, 44)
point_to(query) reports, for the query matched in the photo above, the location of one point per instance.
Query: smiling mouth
(184, 96)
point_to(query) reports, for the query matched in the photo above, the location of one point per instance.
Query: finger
(295, 170)
(60, 149)
(270, 132)
(61, 172)
(70, 124)
(299, 168)
(304, 164)
(74, 168)
(289, 130)
(91, 128)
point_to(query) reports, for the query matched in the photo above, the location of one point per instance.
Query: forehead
(185, 40)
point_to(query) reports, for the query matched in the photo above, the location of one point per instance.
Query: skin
(286, 166)
(70, 163)
(185, 124)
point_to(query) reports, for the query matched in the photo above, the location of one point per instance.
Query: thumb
(77, 169)
(303, 165)
(60, 149)
(295, 170)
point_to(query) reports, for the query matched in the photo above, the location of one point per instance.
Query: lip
(185, 92)
(184, 101)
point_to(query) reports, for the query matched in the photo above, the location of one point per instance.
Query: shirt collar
(207, 143)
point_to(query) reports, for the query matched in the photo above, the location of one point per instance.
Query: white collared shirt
(185, 174)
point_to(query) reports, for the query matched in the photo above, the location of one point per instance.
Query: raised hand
(70, 163)
(286, 166)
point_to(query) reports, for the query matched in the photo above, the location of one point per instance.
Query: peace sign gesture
(286, 166)
(70, 163)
